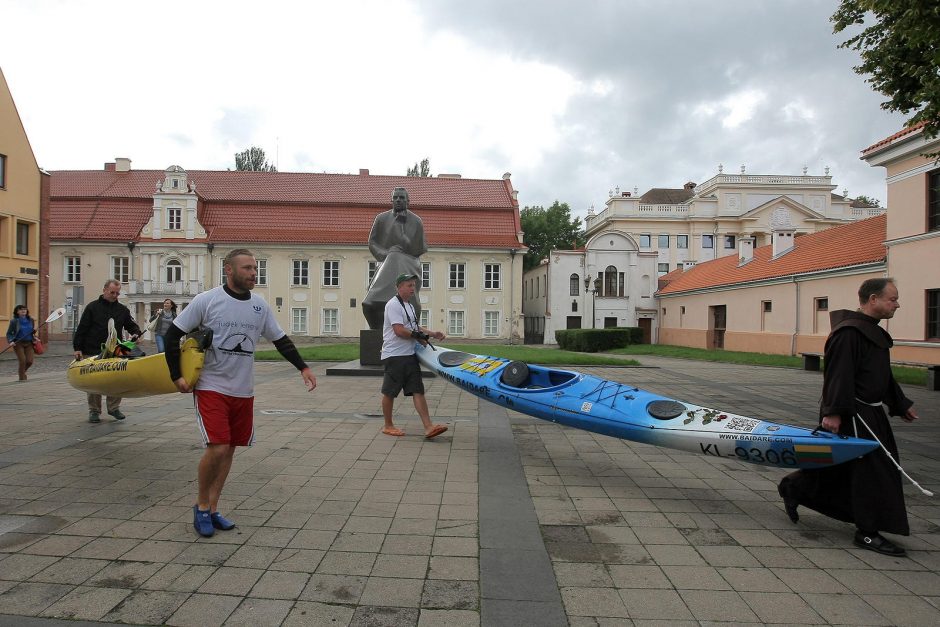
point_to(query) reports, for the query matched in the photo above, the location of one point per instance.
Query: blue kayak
(587, 402)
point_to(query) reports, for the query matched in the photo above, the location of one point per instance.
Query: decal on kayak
(480, 365)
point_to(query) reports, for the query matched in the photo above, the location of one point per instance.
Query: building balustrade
(147, 287)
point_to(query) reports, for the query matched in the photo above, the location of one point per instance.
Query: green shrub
(594, 340)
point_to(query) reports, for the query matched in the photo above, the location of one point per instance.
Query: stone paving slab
(504, 520)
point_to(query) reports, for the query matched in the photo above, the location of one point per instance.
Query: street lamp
(596, 284)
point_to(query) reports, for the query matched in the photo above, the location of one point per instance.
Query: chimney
(448, 176)
(745, 250)
(687, 265)
(109, 167)
(625, 195)
(689, 186)
(363, 171)
(122, 164)
(783, 240)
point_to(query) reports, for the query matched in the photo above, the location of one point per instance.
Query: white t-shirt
(236, 326)
(395, 313)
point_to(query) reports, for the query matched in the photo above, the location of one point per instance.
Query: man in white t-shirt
(400, 331)
(224, 393)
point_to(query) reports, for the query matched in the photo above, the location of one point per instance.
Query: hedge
(594, 340)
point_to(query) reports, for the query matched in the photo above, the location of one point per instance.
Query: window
(822, 304)
(3, 171)
(121, 269)
(174, 218)
(767, 306)
(73, 269)
(491, 275)
(298, 320)
(682, 241)
(537, 287)
(574, 285)
(645, 240)
(370, 272)
(708, 241)
(221, 273)
(425, 276)
(490, 323)
(729, 242)
(933, 201)
(613, 282)
(455, 324)
(663, 268)
(664, 241)
(174, 271)
(457, 276)
(300, 273)
(22, 238)
(330, 321)
(424, 318)
(933, 315)
(574, 307)
(262, 278)
(330, 274)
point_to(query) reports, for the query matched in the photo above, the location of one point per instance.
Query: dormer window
(175, 184)
(174, 218)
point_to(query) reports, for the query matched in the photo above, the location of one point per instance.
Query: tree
(872, 202)
(899, 52)
(422, 169)
(547, 229)
(253, 159)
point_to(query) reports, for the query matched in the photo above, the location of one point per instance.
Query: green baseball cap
(404, 277)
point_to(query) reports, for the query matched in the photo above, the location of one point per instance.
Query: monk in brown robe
(858, 381)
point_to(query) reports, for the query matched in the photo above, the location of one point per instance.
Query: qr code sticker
(742, 424)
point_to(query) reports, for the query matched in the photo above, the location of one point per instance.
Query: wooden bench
(811, 361)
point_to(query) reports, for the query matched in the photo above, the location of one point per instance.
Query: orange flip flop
(392, 431)
(436, 431)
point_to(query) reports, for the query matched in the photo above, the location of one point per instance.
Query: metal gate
(534, 327)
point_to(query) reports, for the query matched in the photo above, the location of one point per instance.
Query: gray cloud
(676, 71)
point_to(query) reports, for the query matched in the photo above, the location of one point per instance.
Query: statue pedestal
(370, 347)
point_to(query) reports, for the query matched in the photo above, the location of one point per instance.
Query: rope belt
(878, 404)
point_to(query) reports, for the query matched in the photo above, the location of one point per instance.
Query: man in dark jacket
(857, 382)
(91, 333)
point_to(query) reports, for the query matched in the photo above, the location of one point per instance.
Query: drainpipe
(796, 331)
(512, 281)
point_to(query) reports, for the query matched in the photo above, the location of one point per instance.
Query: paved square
(504, 520)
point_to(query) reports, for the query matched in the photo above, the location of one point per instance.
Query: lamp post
(596, 284)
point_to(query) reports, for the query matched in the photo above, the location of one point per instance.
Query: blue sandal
(202, 522)
(221, 522)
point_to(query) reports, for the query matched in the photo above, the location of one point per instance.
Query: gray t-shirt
(236, 326)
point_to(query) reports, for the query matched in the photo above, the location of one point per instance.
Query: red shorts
(224, 419)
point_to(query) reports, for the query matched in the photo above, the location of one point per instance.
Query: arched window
(610, 281)
(174, 271)
(574, 285)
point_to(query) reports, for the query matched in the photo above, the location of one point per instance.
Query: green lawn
(548, 356)
(555, 356)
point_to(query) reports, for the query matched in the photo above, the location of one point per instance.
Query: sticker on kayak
(481, 366)
(586, 407)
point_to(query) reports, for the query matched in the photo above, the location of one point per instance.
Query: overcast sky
(572, 97)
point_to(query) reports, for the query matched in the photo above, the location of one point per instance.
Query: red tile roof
(898, 135)
(841, 246)
(286, 207)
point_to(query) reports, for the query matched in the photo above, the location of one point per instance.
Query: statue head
(400, 200)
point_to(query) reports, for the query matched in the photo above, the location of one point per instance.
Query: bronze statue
(396, 240)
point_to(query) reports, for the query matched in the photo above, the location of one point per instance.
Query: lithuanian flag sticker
(813, 453)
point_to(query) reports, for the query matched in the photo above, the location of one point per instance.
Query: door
(717, 320)
(646, 326)
(573, 322)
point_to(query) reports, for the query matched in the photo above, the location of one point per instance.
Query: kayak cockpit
(521, 376)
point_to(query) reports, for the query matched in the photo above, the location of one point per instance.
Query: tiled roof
(286, 207)
(842, 246)
(289, 187)
(887, 140)
(666, 196)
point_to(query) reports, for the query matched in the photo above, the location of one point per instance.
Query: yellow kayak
(134, 377)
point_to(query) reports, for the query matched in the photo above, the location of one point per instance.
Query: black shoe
(93, 417)
(790, 505)
(875, 542)
(117, 414)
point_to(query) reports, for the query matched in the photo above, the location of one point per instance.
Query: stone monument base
(370, 347)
